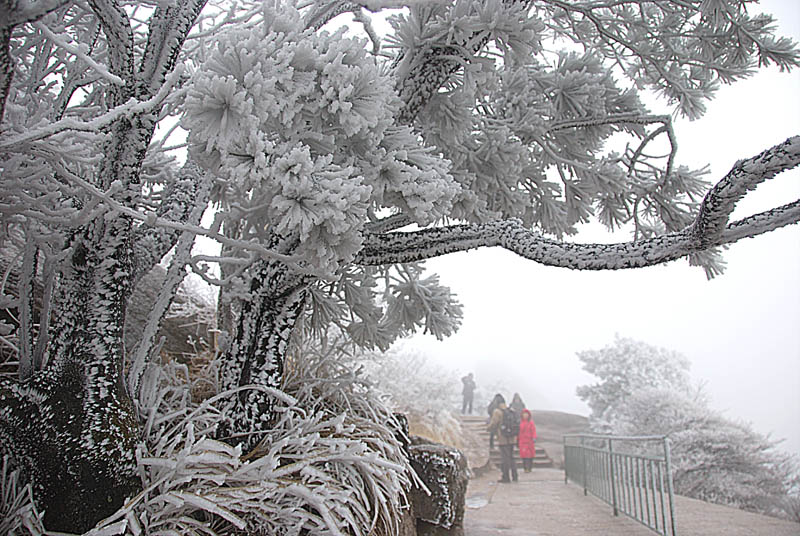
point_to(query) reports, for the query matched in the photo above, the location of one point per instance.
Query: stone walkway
(540, 504)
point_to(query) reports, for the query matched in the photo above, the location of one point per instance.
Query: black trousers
(527, 463)
(507, 463)
(466, 405)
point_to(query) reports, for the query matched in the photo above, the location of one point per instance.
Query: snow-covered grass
(18, 514)
(331, 465)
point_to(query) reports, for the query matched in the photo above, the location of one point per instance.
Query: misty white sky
(741, 331)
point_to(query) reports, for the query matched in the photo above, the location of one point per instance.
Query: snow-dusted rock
(444, 471)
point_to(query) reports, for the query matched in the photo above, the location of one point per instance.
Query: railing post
(585, 472)
(613, 477)
(668, 468)
(566, 461)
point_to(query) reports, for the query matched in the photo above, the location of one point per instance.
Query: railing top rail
(616, 437)
(652, 457)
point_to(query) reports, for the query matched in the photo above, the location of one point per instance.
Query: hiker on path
(493, 405)
(467, 393)
(527, 440)
(505, 423)
(517, 404)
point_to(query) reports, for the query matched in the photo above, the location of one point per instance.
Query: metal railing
(626, 473)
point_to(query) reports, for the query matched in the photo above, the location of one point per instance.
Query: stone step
(474, 426)
(477, 425)
(472, 418)
(541, 459)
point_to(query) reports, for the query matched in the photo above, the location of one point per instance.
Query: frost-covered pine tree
(714, 458)
(625, 367)
(334, 165)
(645, 390)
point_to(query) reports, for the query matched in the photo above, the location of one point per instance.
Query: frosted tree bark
(6, 67)
(150, 244)
(256, 354)
(75, 429)
(72, 427)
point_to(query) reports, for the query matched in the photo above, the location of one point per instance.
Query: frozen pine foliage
(375, 306)
(333, 166)
(299, 127)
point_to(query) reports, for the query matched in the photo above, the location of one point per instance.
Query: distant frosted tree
(425, 393)
(334, 166)
(715, 459)
(625, 367)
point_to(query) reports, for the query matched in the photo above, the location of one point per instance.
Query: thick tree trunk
(72, 427)
(81, 463)
(6, 67)
(257, 351)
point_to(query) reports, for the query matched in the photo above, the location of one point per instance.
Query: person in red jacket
(526, 440)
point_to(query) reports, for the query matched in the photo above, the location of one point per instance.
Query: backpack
(510, 423)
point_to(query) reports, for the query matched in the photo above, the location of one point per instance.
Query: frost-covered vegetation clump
(427, 395)
(332, 464)
(646, 391)
(298, 127)
(333, 167)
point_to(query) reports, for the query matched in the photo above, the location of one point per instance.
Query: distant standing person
(493, 405)
(468, 392)
(517, 404)
(505, 423)
(527, 440)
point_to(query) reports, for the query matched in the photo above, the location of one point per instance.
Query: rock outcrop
(444, 472)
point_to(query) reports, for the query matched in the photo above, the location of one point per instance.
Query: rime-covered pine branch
(119, 36)
(169, 26)
(719, 203)
(711, 228)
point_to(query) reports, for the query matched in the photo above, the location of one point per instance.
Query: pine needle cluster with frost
(299, 128)
(332, 464)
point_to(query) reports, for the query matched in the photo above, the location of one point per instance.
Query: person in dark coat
(506, 444)
(467, 393)
(517, 404)
(496, 401)
(527, 440)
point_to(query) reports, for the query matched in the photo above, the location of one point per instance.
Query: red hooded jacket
(527, 435)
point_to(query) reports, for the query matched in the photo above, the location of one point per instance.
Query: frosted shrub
(644, 390)
(715, 459)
